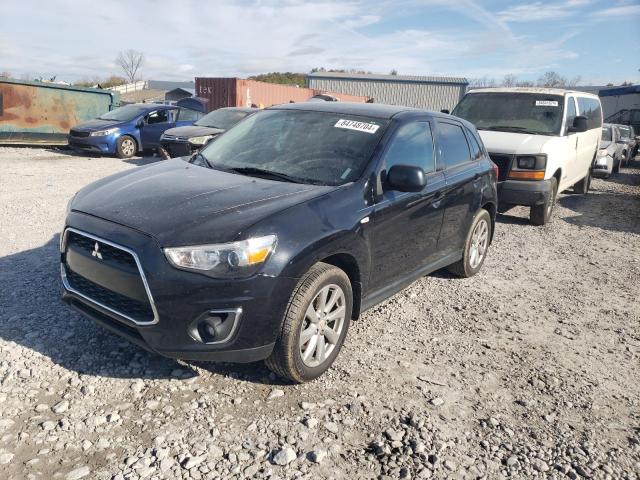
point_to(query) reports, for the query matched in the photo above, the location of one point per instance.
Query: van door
(570, 164)
(588, 141)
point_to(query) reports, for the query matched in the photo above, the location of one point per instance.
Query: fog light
(215, 326)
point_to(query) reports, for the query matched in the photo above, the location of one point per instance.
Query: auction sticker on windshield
(359, 126)
(546, 103)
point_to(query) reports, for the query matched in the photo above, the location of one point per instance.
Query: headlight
(226, 260)
(104, 133)
(603, 152)
(531, 162)
(200, 140)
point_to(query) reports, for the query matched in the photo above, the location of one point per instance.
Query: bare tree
(509, 80)
(130, 61)
(5, 74)
(551, 79)
(482, 82)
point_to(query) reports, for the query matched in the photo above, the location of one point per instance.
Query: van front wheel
(541, 214)
(583, 185)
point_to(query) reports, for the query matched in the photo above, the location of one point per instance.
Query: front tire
(582, 187)
(315, 325)
(475, 247)
(126, 147)
(541, 214)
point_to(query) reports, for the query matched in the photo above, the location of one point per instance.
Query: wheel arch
(492, 209)
(349, 265)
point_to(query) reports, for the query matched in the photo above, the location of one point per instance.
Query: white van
(544, 141)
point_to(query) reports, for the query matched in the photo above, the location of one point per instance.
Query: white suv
(544, 140)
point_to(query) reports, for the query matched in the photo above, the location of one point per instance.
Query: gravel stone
(284, 456)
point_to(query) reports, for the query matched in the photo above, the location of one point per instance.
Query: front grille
(503, 162)
(107, 276)
(132, 308)
(108, 253)
(78, 133)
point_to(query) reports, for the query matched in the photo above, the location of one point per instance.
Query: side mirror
(579, 125)
(406, 178)
(139, 123)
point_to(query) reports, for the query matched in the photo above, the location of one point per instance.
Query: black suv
(267, 243)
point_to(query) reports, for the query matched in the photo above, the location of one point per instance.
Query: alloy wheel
(479, 243)
(128, 147)
(322, 325)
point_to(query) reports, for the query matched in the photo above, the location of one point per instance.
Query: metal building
(433, 93)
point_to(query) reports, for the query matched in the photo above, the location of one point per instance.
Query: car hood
(97, 124)
(193, 131)
(605, 144)
(513, 143)
(182, 204)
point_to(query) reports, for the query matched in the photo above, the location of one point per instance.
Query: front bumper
(180, 298)
(104, 144)
(178, 148)
(602, 168)
(523, 192)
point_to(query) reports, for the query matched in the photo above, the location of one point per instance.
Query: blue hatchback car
(128, 130)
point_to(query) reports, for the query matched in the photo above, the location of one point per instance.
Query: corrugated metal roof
(390, 78)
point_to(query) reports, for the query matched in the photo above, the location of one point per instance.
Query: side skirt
(374, 298)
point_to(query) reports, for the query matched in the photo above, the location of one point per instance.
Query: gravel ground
(528, 370)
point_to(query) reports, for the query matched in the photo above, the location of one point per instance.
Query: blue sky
(599, 40)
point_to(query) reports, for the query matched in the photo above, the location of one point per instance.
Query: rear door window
(452, 144)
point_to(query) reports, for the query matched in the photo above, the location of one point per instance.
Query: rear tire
(583, 185)
(475, 247)
(126, 147)
(542, 214)
(313, 329)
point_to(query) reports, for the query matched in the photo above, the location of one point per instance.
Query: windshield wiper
(508, 128)
(250, 171)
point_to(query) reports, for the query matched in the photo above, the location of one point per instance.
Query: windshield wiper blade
(267, 173)
(507, 128)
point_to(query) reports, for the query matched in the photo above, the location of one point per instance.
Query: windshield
(309, 147)
(124, 114)
(606, 134)
(223, 119)
(513, 112)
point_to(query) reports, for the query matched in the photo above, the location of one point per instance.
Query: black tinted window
(452, 144)
(590, 108)
(412, 144)
(476, 151)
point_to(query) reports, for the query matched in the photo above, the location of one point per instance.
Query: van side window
(412, 144)
(453, 145)
(571, 111)
(590, 108)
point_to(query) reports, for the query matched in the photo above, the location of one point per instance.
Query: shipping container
(236, 92)
(43, 113)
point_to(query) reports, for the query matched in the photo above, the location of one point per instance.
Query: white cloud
(537, 11)
(624, 10)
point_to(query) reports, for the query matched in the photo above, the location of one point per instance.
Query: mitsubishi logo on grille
(96, 251)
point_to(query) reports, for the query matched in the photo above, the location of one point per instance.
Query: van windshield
(299, 146)
(530, 113)
(124, 114)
